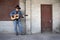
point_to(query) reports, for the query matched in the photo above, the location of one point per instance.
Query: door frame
(51, 17)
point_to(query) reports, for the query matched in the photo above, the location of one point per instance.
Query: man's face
(17, 9)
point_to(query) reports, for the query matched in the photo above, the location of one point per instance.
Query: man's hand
(24, 16)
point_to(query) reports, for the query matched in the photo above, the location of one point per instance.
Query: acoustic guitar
(16, 16)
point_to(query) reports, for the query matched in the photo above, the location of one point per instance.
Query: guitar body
(15, 16)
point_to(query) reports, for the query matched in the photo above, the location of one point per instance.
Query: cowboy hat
(17, 6)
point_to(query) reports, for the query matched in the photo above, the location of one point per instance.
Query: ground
(43, 36)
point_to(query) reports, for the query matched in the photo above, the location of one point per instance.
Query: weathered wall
(35, 14)
(23, 10)
(33, 20)
(28, 18)
(8, 26)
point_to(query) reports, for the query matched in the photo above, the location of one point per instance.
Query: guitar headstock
(26, 15)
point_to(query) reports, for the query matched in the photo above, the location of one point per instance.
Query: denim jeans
(19, 25)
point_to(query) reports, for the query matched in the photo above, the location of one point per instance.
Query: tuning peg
(26, 15)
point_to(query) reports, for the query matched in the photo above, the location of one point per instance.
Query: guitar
(16, 16)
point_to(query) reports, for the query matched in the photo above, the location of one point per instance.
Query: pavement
(43, 36)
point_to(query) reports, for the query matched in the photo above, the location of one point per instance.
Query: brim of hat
(17, 8)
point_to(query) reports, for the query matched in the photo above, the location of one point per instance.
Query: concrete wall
(23, 9)
(35, 14)
(6, 27)
(28, 18)
(33, 20)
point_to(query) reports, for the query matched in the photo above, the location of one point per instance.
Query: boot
(17, 34)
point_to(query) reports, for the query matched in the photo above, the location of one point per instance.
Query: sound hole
(13, 16)
(16, 16)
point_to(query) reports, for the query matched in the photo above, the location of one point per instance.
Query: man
(15, 16)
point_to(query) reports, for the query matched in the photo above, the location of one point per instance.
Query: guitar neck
(25, 15)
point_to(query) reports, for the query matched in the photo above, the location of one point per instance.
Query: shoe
(17, 34)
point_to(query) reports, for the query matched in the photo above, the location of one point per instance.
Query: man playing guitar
(15, 16)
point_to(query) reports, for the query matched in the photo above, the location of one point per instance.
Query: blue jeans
(19, 25)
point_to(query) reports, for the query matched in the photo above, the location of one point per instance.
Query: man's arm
(21, 15)
(11, 15)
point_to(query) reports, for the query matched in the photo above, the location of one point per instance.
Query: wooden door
(46, 18)
(6, 6)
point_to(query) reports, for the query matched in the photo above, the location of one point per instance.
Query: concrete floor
(44, 36)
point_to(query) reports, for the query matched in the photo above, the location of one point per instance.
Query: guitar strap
(16, 12)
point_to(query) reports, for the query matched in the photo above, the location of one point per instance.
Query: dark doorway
(46, 18)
